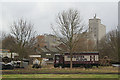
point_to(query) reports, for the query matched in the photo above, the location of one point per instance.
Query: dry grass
(51, 69)
(60, 76)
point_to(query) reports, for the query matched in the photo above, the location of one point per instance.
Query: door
(57, 59)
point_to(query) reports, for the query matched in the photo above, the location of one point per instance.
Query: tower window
(95, 28)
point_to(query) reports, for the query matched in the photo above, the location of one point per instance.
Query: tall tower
(97, 29)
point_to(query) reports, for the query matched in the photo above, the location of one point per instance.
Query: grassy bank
(62, 70)
(60, 76)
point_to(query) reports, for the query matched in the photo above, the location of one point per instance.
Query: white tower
(98, 29)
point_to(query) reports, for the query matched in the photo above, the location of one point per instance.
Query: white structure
(9, 55)
(35, 56)
(6, 53)
(98, 29)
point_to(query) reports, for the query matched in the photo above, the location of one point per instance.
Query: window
(68, 56)
(74, 56)
(85, 59)
(48, 54)
(82, 56)
(57, 57)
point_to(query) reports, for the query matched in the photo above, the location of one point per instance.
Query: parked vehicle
(116, 65)
(16, 64)
(83, 59)
(6, 63)
(7, 66)
(21, 64)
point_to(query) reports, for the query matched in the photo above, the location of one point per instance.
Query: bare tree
(118, 43)
(8, 42)
(85, 45)
(23, 33)
(109, 46)
(69, 25)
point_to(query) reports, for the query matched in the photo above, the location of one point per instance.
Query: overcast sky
(42, 14)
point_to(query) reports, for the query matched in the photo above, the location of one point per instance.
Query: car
(16, 64)
(116, 65)
(7, 66)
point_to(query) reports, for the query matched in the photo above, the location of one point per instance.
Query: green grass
(17, 74)
(60, 79)
(60, 76)
(64, 70)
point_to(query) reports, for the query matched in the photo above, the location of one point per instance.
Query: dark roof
(44, 50)
(90, 52)
(82, 52)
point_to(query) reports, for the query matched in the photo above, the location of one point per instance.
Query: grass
(60, 76)
(31, 73)
(49, 69)
(71, 76)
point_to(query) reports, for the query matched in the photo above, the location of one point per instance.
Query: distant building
(47, 46)
(51, 41)
(98, 29)
(50, 44)
(47, 40)
(89, 40)
(86, 42)
(41, 41)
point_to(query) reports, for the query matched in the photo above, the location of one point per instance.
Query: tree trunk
(11, 55)
(71, 60)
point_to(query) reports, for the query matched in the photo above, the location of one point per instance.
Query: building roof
(83, 52)
(44, 49)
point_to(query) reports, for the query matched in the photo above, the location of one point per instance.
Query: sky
(43, 14)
